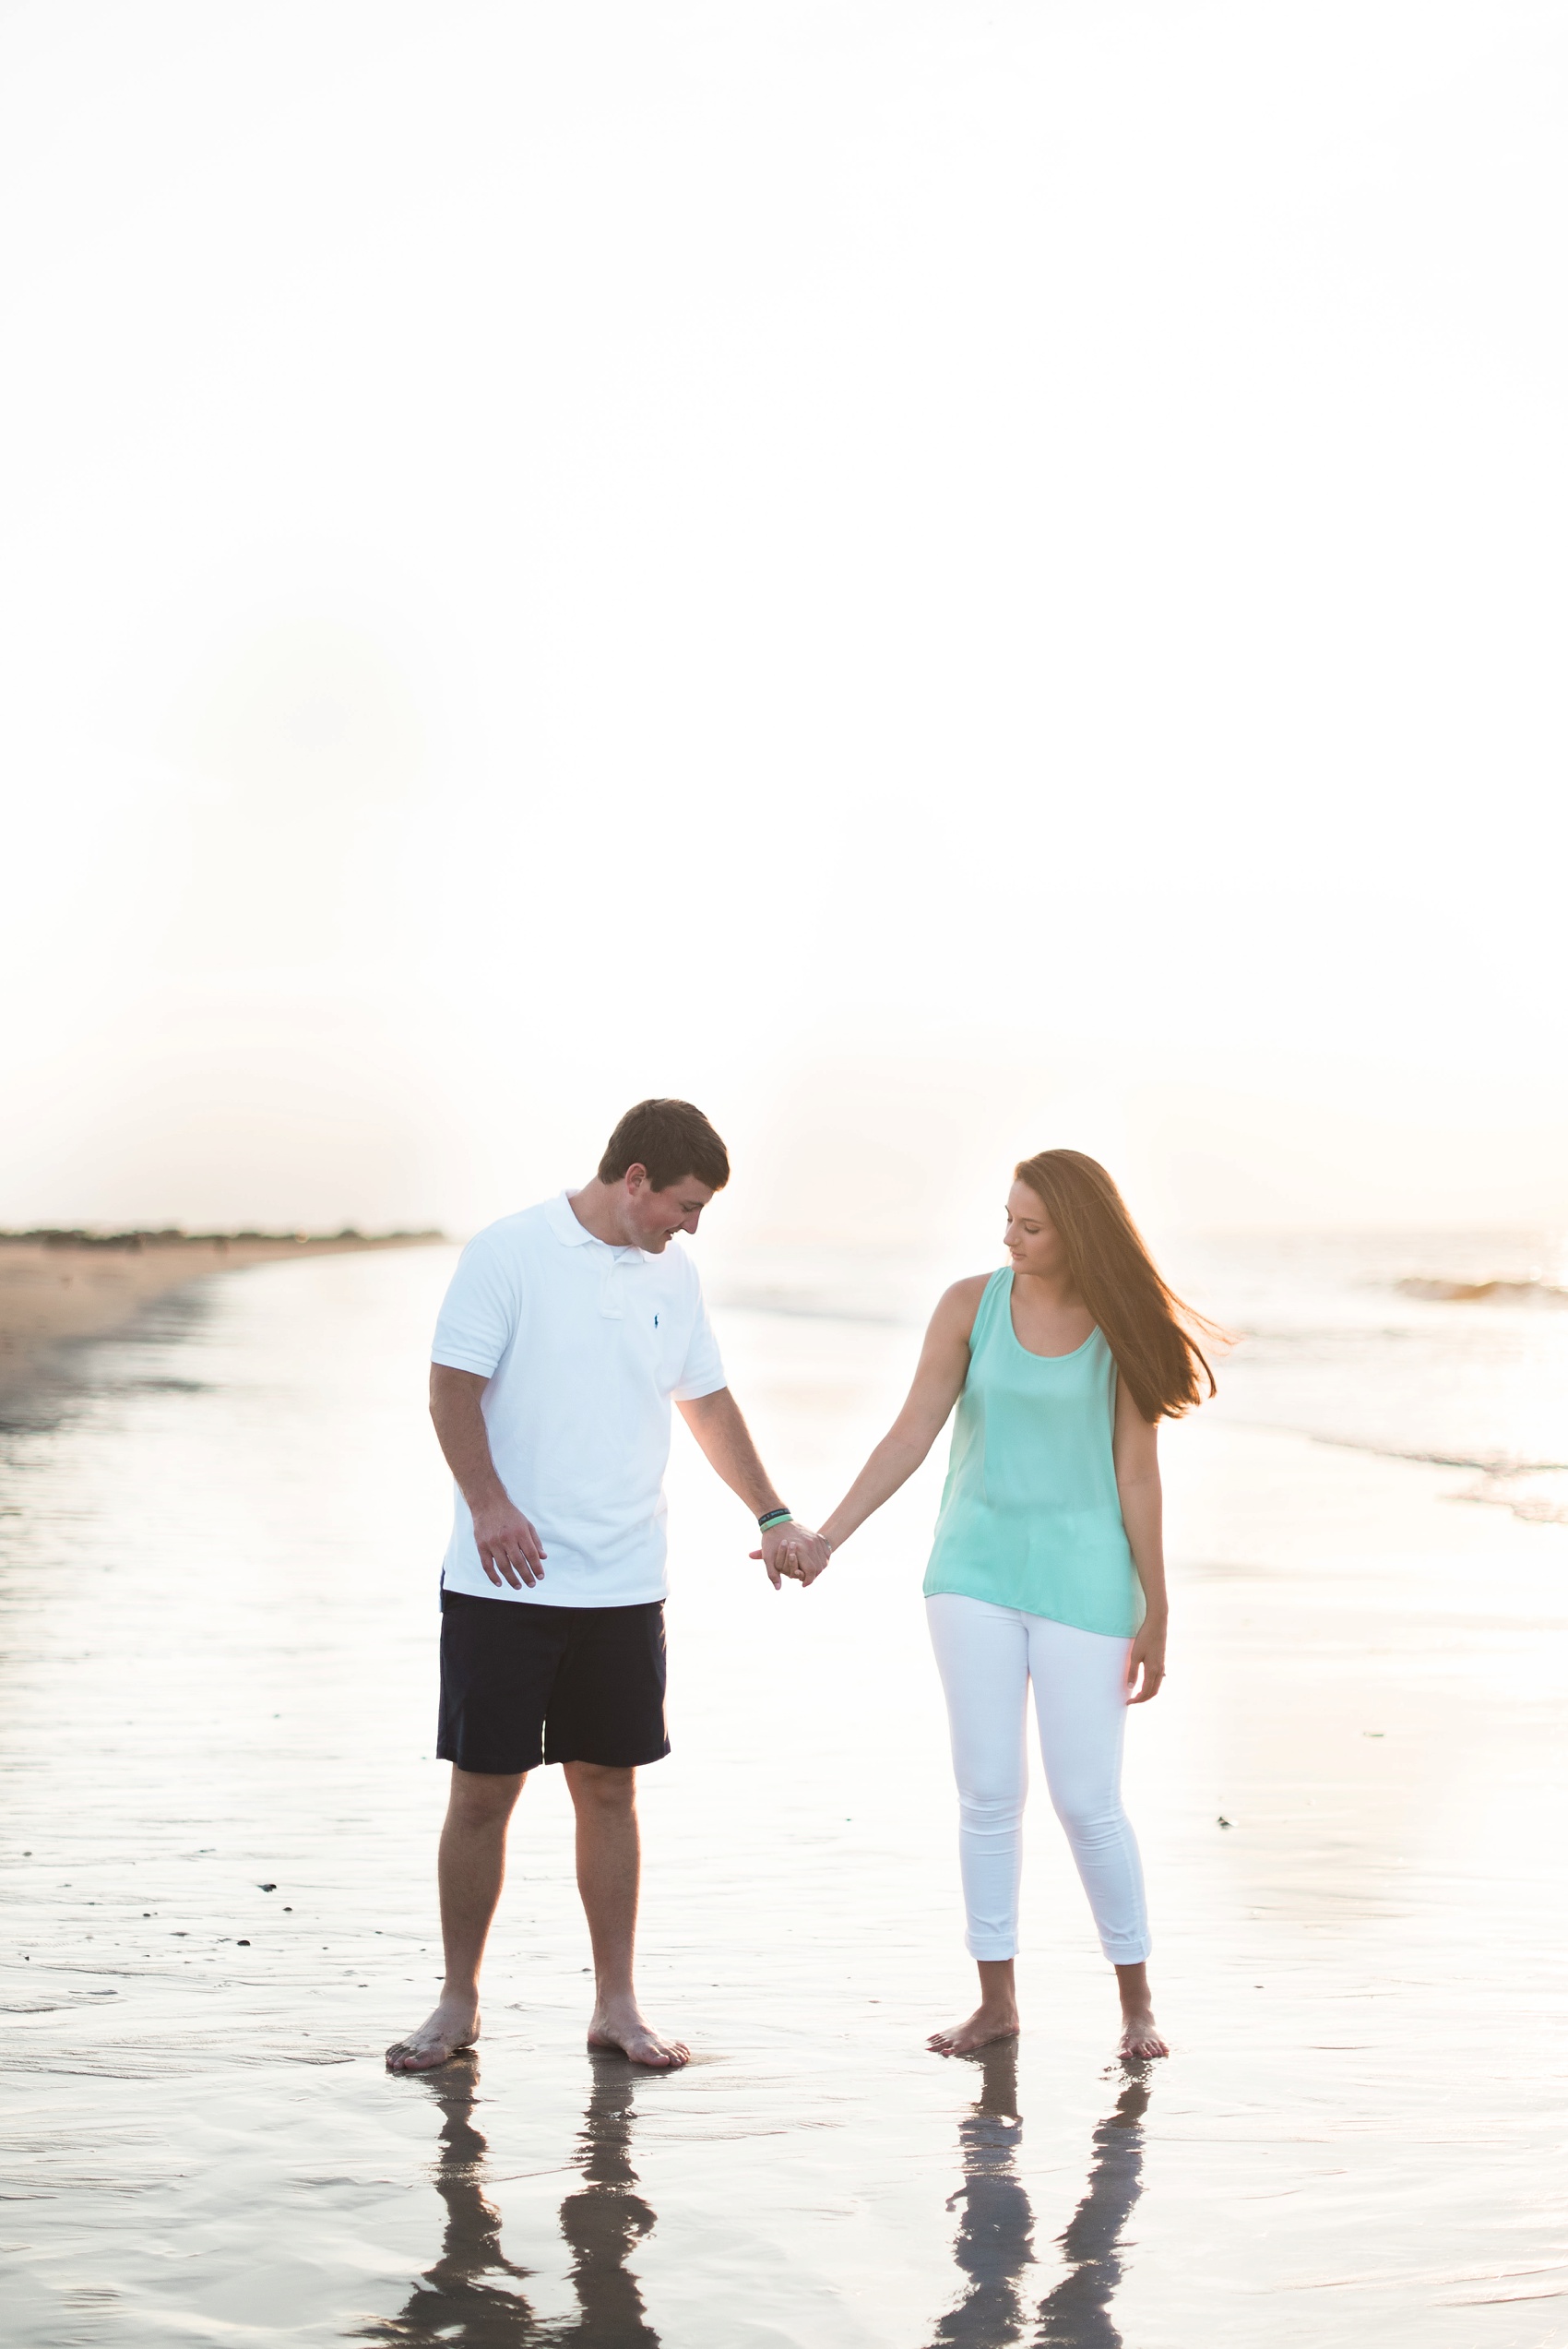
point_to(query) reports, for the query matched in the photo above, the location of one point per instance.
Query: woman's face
(1031, 1238)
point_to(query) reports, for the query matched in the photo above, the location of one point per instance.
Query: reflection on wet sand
(996, 2232)
(1076, 2314)
(461, 2300)
(471, 2296)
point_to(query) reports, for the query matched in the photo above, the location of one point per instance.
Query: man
(564, 1334)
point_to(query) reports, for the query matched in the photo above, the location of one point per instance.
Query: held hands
(509, 1548)
(793, 1550)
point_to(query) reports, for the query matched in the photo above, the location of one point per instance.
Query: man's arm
(715, 1422)
(509, 1548)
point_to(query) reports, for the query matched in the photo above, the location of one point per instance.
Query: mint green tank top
(1030, 1516)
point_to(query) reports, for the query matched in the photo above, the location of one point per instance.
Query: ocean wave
(1538, 1495)
(802, 1307)
(1529, 1293)
(1484, 1463)
(1536, 1490)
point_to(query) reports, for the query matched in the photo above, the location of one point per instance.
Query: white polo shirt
(584, 1345)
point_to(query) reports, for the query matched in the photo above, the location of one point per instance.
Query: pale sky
(940, 579)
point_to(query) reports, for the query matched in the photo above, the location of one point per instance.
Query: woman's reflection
(463, 2300)
(996, 2241)
(995, 2234)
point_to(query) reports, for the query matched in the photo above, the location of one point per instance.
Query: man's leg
(472, 1868)
(609, 1866)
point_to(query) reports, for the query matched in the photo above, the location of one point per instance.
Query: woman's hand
(1146, 1662)
(792, 1550)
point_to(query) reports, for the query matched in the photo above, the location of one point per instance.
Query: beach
(59, 1288)
(912, 593)
(218, 1573)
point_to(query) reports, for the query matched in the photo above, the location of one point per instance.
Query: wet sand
(57, 1287)
(218, 1578)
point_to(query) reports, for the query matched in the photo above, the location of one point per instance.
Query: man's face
(651, 1217)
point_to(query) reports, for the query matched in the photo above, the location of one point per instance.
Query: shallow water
(218, 1580)
(1336, 1341)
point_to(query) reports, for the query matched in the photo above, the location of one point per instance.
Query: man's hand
(509, 1548)
(793, 1550)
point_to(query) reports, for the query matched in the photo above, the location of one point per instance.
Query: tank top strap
(995, 1298)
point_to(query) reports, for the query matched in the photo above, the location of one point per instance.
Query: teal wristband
(775, 1517)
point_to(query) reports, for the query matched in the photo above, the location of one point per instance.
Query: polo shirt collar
(564, 1225)
(573, 1234)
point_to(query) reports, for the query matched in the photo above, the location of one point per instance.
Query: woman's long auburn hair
(1148, 1329)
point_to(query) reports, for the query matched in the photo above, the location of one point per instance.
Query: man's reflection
(468, 2297)
(996, 2241)
(606, 2220)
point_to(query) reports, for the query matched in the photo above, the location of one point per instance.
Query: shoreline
(58, 1286)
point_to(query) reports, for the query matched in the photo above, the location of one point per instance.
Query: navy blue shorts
(523, 1683)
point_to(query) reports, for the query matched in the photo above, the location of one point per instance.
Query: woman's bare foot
(995, 2018)
(618, 2028)
(1139, 2037)
(451, 2027)
(986, 2025)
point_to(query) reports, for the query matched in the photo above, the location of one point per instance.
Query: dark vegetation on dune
(53, 1237)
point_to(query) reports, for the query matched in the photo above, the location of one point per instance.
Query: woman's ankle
(1132, 1983)
(997, 1987)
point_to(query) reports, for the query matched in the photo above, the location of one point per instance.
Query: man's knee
(482, 1795)
(599, 1787)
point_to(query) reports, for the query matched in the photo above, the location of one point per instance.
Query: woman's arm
(938, 1383)
(1135, 1446)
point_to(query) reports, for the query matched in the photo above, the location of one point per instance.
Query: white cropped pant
(987, 1656)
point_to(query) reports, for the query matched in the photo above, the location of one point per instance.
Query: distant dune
(57, 1285)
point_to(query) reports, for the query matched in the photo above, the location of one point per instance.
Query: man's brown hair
(670, 1138)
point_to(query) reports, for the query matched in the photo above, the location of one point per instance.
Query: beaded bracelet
(775, 1517)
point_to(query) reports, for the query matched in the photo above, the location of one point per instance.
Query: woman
(1048, 1566)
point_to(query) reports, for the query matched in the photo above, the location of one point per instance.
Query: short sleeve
(481, 1310)
(701, 1373)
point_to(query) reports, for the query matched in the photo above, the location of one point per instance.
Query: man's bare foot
(618, 2029)
(1139, 2037)
(448, 2031)
(984, 2027)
